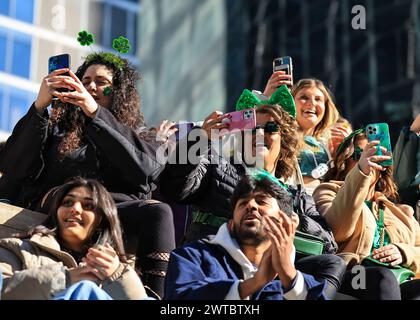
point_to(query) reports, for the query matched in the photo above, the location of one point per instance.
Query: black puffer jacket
(209, 185)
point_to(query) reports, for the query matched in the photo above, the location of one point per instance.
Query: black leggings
(149, 234)
(410, 290)
(380, 284)
(324, 267)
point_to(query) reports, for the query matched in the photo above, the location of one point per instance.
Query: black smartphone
(59, 62)
(283, 64)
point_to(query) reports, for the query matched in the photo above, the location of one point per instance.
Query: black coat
(111, 153)
(209, 185)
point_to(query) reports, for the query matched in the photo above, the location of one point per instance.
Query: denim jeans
(83, 290)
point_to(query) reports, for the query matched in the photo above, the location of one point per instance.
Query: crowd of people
(84, 157)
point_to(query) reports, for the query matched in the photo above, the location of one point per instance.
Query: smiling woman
(316, 113)
(81, 240)
(209, 184)
(77, 217)
(95, 130)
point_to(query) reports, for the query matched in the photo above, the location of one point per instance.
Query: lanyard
(380, 222)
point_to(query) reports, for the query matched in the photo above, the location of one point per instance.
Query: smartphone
(241, 120)
(283, 64)
(59, 62)
(380, 132)
(184, 129)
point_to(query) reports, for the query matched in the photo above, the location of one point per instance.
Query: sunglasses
(269, 127)
(357, 153)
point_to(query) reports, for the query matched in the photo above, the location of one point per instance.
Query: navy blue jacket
(204, 271)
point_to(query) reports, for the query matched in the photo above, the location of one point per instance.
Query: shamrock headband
(120, 44)
(281, 97)
(106, 57)
(346, 139)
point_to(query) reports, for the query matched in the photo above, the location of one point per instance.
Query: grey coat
(37, 269)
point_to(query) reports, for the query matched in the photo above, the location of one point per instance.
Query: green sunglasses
(269, 127)
(357, 153)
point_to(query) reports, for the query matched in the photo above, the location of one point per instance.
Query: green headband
(120, 44)
(107, 57)
(281, 97)
(260, 174)
(346, 139)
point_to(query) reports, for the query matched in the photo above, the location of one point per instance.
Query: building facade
(33, 30)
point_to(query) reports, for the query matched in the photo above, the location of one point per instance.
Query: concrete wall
(182, 52)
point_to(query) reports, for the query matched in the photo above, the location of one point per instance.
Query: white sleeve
(260, 95)
(299, 291)
(233, 293)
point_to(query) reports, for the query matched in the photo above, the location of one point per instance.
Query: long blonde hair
(331, 112)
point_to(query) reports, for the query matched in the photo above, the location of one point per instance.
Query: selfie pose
(359, 200)
(208, 184)
(319, 121)
(95, 129)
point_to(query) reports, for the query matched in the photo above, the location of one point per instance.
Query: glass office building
(33, 30)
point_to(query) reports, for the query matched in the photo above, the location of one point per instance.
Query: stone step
(15, 219)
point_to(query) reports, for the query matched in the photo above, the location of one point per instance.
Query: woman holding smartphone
(359, 200)
(208, 184)
(317, 117)
(96, 130)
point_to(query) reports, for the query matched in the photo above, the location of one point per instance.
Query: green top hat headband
(281, 97)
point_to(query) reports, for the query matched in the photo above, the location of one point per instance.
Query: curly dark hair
(343, 159)
(125, 102)
(289, 139)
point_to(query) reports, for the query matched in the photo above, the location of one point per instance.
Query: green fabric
(379, 226)
(308, 244)
(402, 274)
(260, 174)
(314, 149)
(282, 97)
(209, 219)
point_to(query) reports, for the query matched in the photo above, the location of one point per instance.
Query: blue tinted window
(18, 106)
(21, 55)
(3, 45)
(24, 10)
(4, 7)
(119, 18)
(3, 112)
